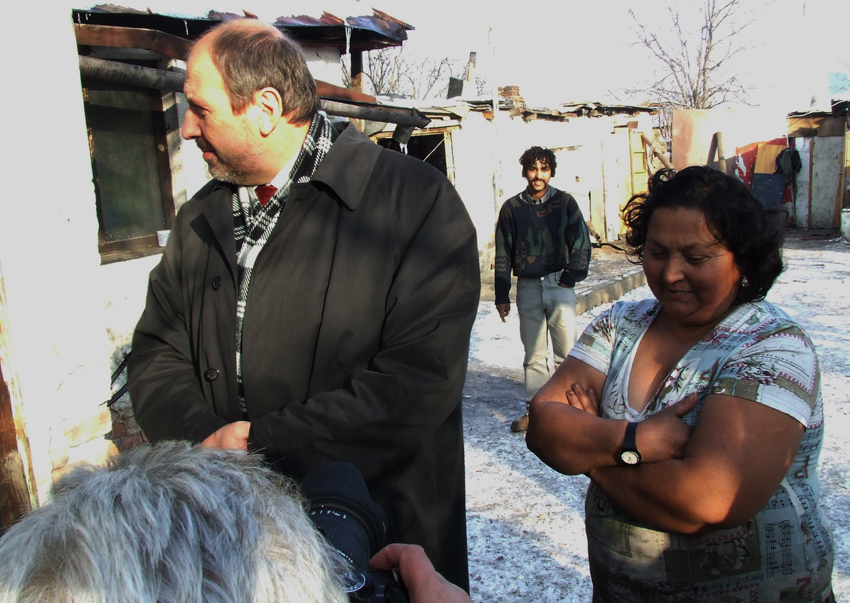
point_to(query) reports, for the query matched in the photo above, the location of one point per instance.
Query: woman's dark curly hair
(736, 218)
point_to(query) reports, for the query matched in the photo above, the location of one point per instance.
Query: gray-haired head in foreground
(169, 523)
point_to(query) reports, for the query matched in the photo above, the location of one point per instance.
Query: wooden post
(720, 164)
(14, 497)
(470, 67)
(842, 186)
(662, 157)
(357, 71)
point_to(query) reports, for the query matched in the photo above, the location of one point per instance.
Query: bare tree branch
(382, 69)
(694, 64)
(390, 72)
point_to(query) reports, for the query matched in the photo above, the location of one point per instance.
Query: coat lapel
(218, 211)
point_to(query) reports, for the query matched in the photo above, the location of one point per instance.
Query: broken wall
(53, 347)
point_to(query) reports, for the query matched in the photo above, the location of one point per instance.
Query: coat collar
(348, 166)
(346, 169)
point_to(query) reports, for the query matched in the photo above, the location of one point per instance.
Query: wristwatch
(629, 454)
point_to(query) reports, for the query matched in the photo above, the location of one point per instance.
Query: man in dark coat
(324, 319)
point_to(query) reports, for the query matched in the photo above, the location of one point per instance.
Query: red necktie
(264, 193)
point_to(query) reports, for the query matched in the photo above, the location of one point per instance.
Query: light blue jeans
(544, 306)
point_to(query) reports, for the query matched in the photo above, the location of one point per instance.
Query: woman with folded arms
(697, 415)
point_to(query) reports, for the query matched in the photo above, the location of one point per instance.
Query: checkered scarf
(253, 223)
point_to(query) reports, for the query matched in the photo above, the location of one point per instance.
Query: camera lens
(343, 511)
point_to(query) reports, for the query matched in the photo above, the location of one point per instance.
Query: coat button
(211, 374)
(216, 283)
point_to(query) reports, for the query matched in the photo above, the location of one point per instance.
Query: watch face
(630, 457)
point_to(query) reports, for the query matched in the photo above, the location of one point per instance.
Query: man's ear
(270, 106)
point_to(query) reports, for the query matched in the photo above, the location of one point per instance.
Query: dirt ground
(526, 522)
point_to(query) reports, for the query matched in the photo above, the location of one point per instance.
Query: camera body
(355, 526)
(380, 586)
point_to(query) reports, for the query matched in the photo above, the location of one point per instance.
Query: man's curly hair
(535, 154)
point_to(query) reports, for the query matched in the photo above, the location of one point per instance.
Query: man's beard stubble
(221, 169)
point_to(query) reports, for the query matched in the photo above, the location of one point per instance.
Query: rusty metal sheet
(367, 32)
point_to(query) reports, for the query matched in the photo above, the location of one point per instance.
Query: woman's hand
(660, 437)
(664, 436)
(732, 463)
(583, 399)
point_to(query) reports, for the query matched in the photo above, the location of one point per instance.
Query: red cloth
(264, 193)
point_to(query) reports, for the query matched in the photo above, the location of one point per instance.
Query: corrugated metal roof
(459, 107)
(358, 33)
(589, 107)
(306, 21)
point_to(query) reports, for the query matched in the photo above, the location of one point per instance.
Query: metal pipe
(371, 114)
(132, 75)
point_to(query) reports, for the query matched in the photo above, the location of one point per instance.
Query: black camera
(356, 527)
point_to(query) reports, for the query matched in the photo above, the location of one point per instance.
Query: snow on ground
(525, 521)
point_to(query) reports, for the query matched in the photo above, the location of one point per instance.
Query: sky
(562, 50)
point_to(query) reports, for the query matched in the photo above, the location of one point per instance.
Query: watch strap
(629, 453)
(630, 439)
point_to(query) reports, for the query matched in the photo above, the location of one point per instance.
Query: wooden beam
(842, 187)
(357, 79)
(331, 91)
(131, 37)
(662, 157)
(721, 152)
(831, 126)
(14, 494)
(815, 125)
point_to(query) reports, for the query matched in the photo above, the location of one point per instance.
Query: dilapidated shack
(603, 153)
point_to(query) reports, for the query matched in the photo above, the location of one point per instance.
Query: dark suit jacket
(355, 337)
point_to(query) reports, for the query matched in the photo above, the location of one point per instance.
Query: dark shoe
(520, 424)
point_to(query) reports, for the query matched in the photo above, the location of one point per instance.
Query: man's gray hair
(169, 523)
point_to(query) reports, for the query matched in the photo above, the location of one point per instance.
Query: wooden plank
(617, 180)
(839, 195)
(130, 37)
(803, 179)
(14, 496)
(819, 125)
(847, 168)
(802, 127)
(638, 162)
(332, 91)
(827, 168)
(358, 82)
(811, 174)
(766, 158)
(451, 172)
(831, 126)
